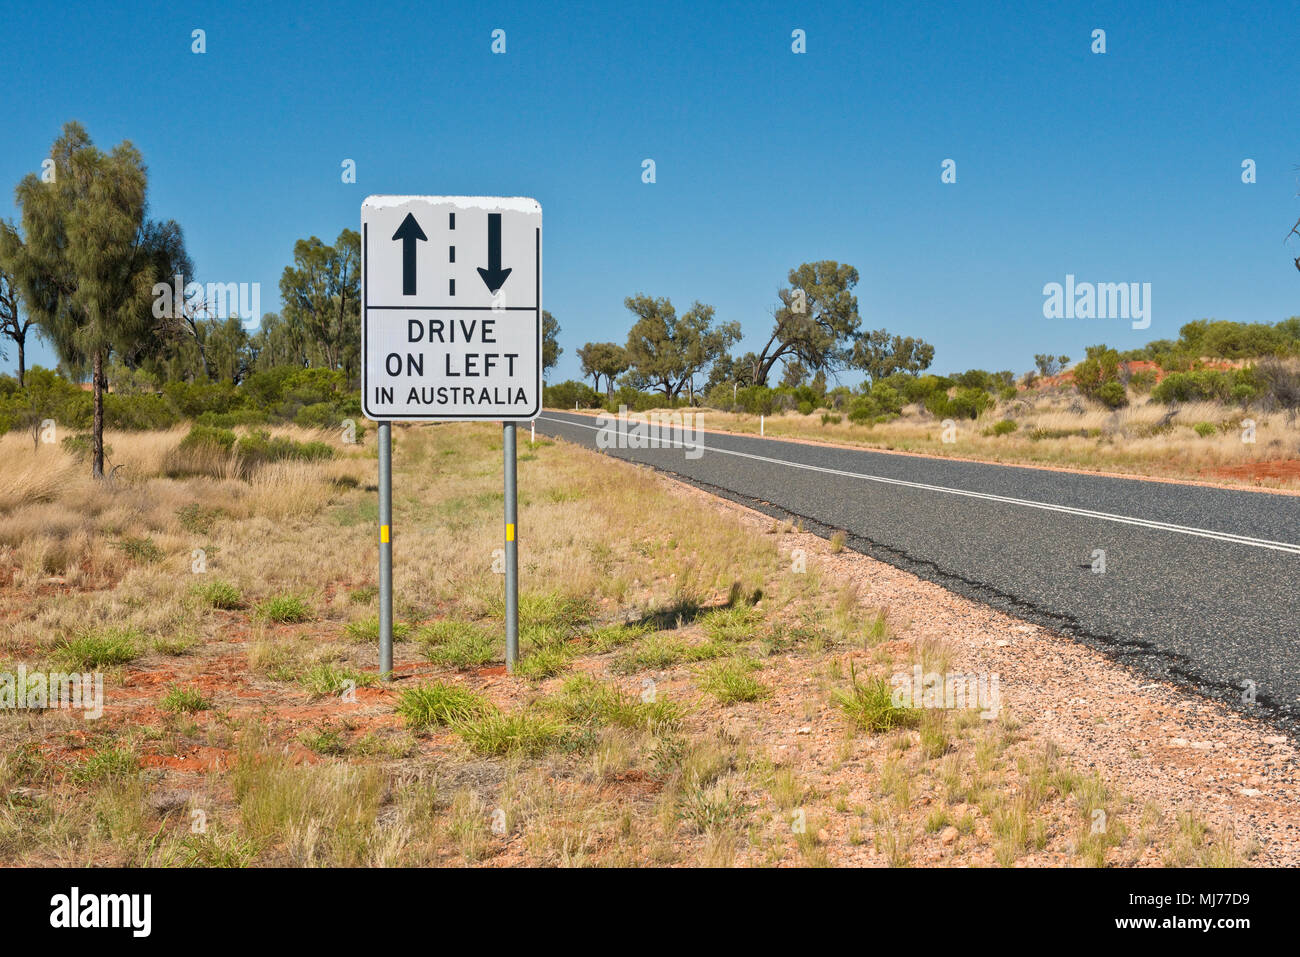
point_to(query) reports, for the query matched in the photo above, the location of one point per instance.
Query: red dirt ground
(1281, 469)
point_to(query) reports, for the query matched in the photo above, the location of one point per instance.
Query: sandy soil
(1154, 741)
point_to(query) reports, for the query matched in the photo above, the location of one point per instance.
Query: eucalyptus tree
(88, 256)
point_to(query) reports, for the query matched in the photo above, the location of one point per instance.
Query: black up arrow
(494, 277)
(409, 232)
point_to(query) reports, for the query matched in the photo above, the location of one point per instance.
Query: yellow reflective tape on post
(383, 533)
(510, 533)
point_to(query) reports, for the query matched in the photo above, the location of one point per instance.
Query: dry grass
(679, 648)
(1058, 428)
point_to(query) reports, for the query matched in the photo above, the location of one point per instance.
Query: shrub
(258, 447)
(198, 519)
(229, 420)
(864, 410)
(1097, 372)
(139, 412)
(919, 388)
(1204, 429)
(309, 387)
(80, 446)
(1234, 340)
(1142, 381)
(887, 398)
(1211, 385)
(318, 415)
(141, 550)
(205, 436)
(1004, 427)
(205, 450)
(565, 395)
(965, 403)
(193, 399)
(1112, 394)
(1281, 385)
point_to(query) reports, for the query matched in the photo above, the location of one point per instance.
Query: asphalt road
(1200, 584)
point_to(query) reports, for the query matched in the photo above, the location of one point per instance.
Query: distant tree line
(113, 291)
(816, 333)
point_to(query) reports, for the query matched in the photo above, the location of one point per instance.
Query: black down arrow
(494, 277)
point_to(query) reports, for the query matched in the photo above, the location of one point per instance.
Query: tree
(90, 258)
(1049, 365)
(40, 401)
(1098, 376)
(276, 343)
(1295, 231)
(550, 346)
(795, 374)
(322, 298)
(607, 359)
(228, 354)
(880, 355)
(666, 351)
(704, 342)
(816, 320)
(12, 326)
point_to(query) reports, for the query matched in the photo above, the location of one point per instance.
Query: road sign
(451, 308)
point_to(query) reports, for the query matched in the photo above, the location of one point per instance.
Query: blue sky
(1121, 167)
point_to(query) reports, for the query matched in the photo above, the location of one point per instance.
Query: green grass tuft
(220, 594)
(326, 679)
(869, 705)
(285, 609)
(584, 701)
(459, 644)
(440, 704)
(521, 734)
(102, 648)
(180, 700)
(731, 681)
(367, 629)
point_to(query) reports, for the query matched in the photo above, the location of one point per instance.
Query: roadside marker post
(448, 337)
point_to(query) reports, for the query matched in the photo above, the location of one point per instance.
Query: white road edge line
(1025, 503)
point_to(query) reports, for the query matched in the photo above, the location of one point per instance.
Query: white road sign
(451, 308)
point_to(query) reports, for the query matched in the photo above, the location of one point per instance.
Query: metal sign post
(512, 550)
(451, 330)
(386, 550)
